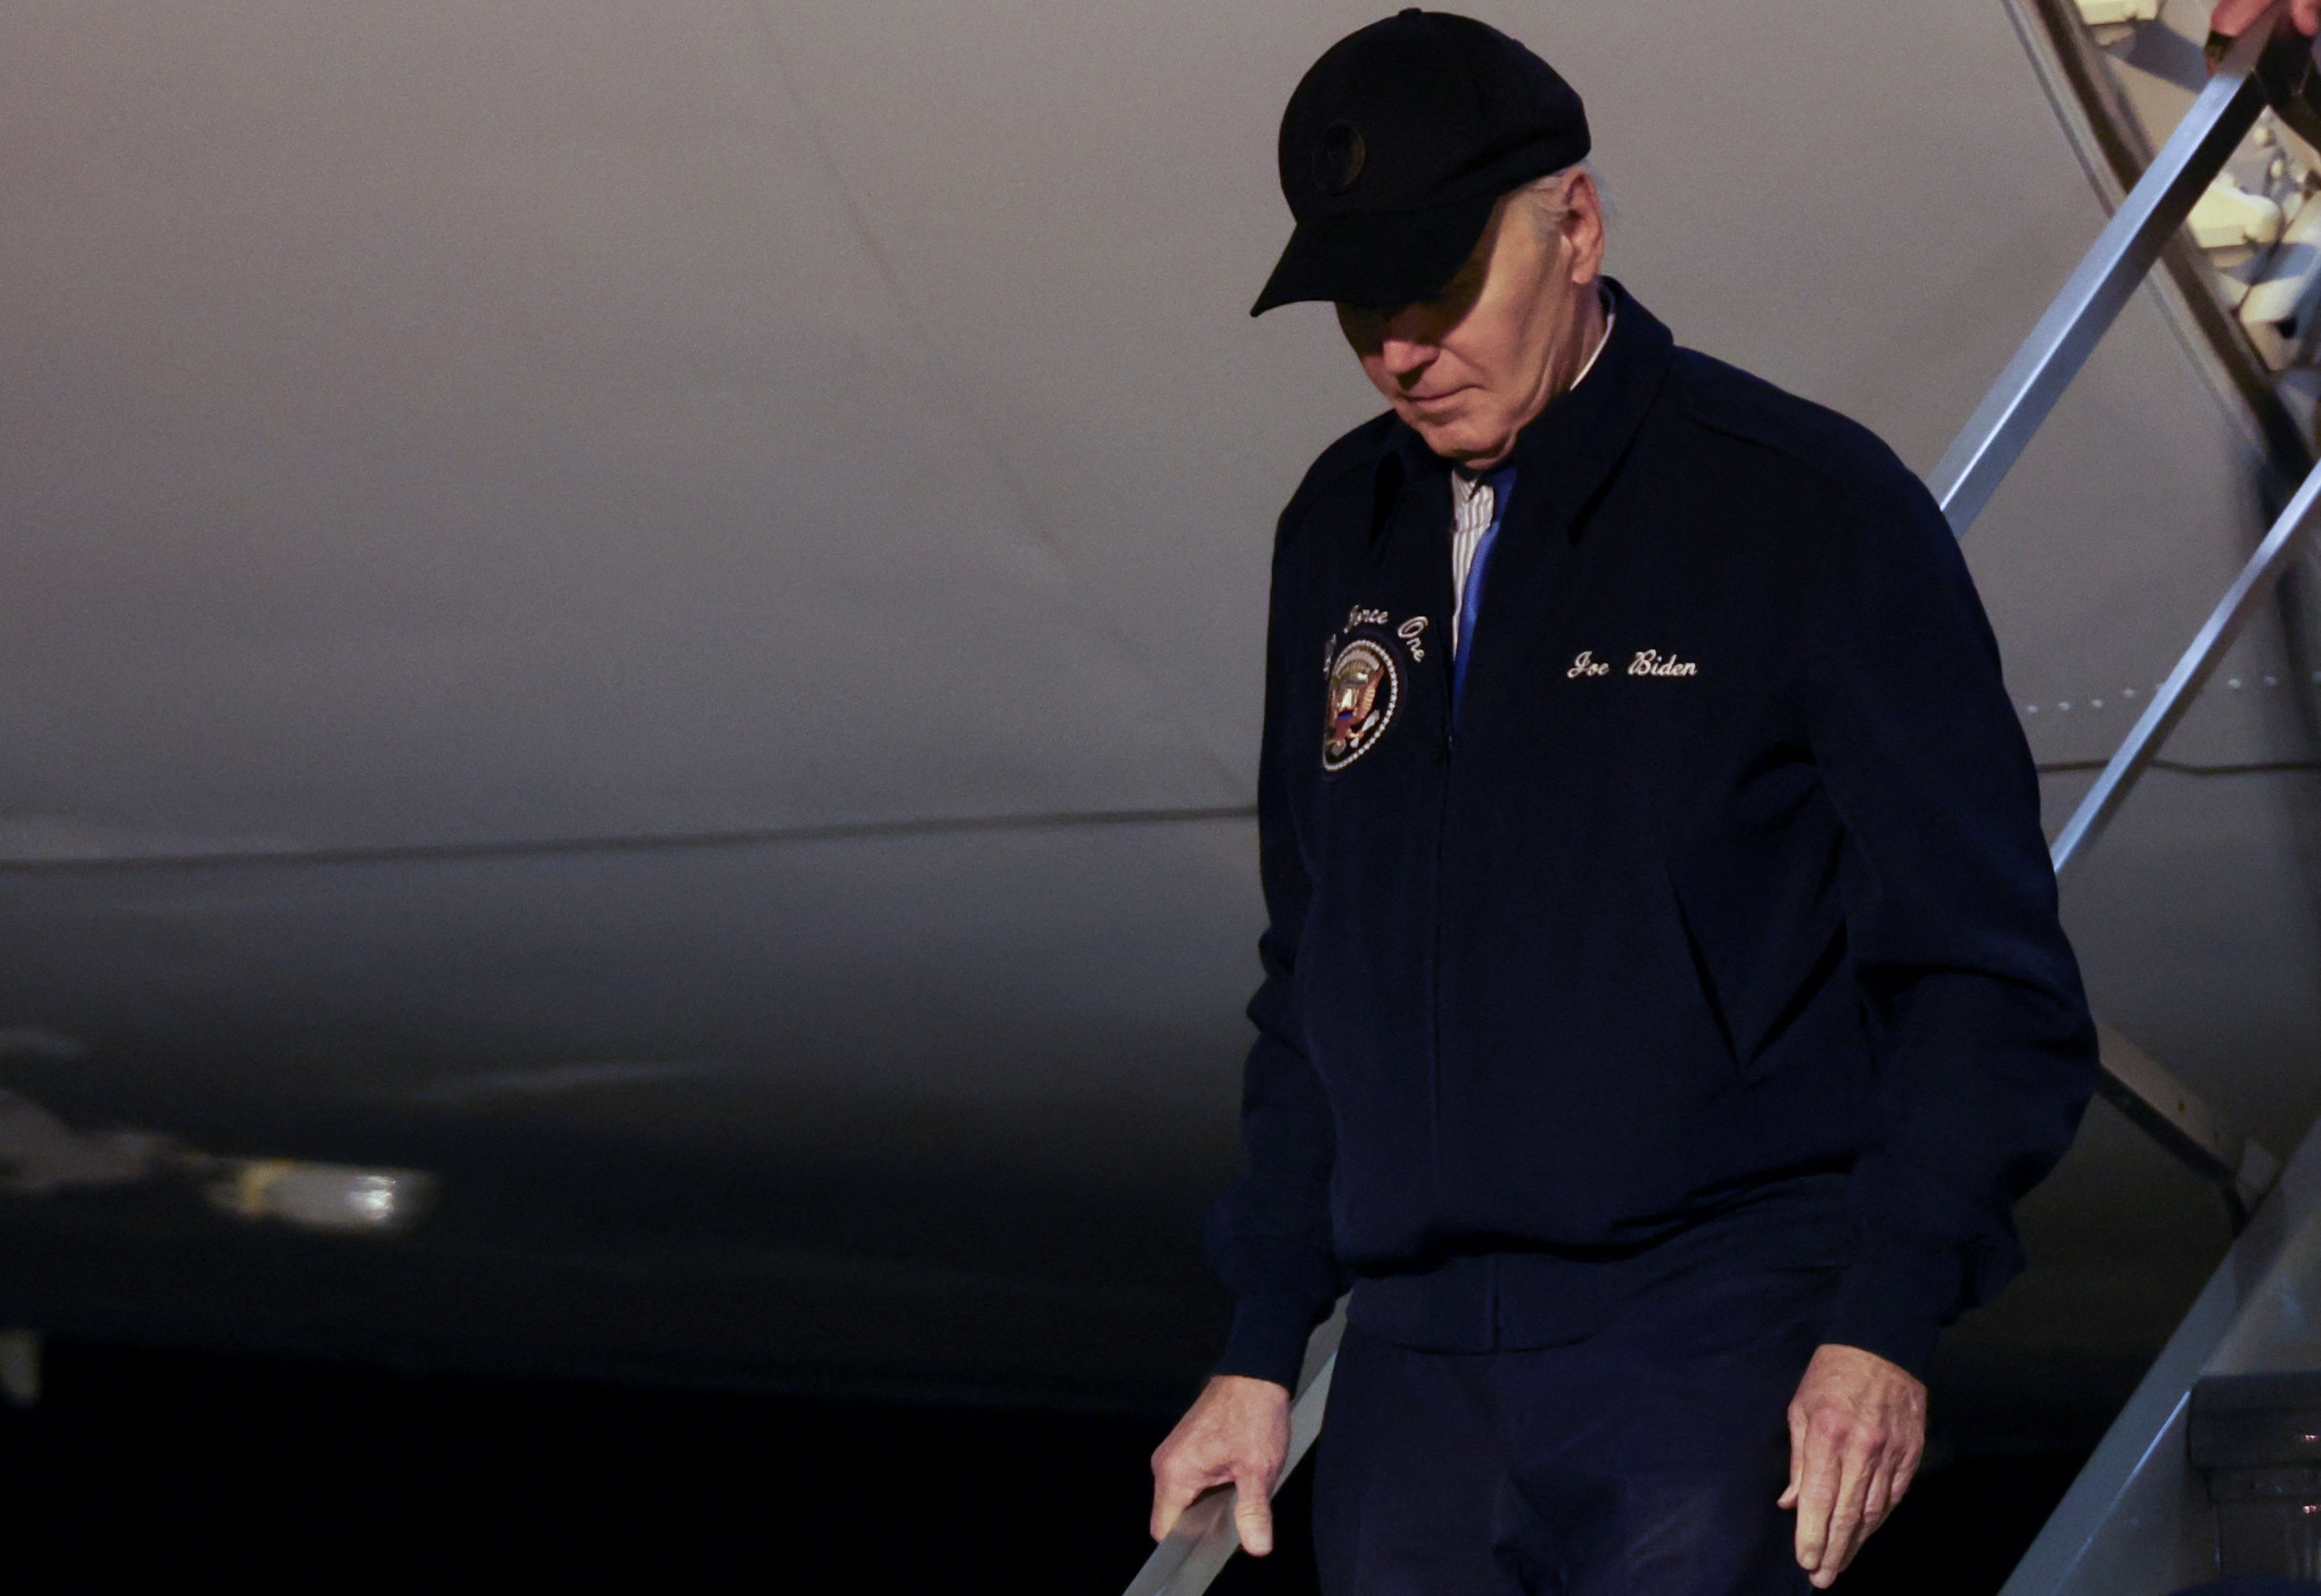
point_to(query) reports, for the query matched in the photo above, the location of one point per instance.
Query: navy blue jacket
(1714, 924)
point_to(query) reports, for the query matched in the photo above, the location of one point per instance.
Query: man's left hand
(1857, 1429)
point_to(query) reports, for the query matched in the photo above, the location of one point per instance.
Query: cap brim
(1394, 258)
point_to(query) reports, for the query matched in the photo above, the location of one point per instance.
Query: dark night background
(147, 1467)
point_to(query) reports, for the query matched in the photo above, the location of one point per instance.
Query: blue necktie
(1470, 601)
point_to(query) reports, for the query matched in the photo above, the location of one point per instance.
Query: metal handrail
(2134, 755)
(2107, 277)
(2122, 1528)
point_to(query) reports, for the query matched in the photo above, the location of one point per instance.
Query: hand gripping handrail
(1205, 1535)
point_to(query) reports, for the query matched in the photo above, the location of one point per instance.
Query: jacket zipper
(1434, 952)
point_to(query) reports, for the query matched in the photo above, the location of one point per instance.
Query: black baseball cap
(1396, 144)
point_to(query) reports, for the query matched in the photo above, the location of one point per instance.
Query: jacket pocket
(1759, 969)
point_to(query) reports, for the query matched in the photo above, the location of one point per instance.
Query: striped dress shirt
(1474, 506)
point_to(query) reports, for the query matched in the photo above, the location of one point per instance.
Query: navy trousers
(1642, 1460)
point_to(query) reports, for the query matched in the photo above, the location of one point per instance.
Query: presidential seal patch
(1365, 690)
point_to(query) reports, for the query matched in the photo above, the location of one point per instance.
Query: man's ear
(1583, 226)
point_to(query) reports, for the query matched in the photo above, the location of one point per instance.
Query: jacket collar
(1564, 457)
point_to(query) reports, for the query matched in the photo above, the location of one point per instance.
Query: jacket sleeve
(1986, 1052)
(1269, 1237)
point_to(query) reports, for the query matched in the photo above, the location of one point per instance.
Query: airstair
(2216, 1456)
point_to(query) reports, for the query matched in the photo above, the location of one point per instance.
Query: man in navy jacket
(1664, 1002)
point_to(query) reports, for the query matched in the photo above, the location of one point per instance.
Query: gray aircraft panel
(482, 423)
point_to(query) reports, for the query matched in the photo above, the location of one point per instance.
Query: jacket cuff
(1895, 1305)
(1268, 1340)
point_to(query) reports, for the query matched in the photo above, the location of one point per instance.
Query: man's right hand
(2233, 16)
(1236, 1433)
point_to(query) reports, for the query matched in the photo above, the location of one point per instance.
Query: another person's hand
(1236, 1433)
(1857, 1429)
(2233, 16)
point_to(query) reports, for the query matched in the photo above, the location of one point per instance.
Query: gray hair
(1545, 197)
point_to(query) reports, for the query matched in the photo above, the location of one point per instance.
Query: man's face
(1470, 368)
